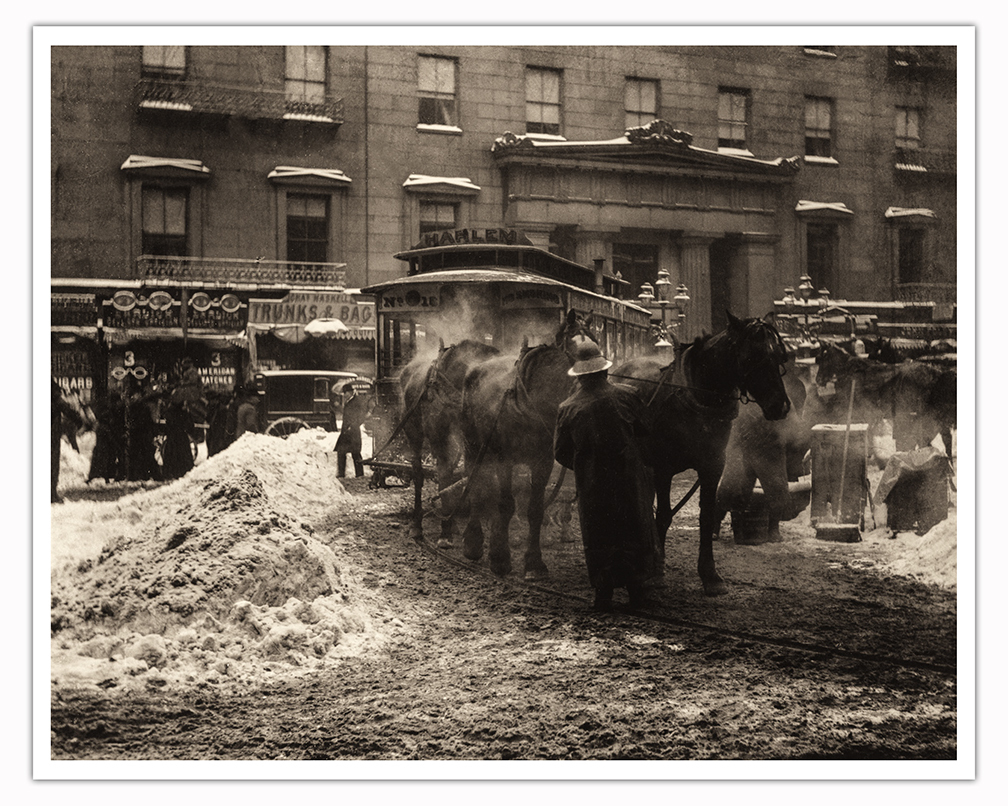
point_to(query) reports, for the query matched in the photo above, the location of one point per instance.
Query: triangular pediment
(656, 146)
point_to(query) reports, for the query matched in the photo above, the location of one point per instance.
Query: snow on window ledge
(556, 138)
(438, 128)
(735, 152)
(821, 160)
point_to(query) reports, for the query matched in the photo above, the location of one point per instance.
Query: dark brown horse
(509, 411)
(693, 403)
(432, 406)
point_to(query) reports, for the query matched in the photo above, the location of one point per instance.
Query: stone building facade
(736, 169)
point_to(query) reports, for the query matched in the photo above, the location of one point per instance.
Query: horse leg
(446, 477)
(713, 585)
(663, 517)
(472, 535)
(500, 551)
(535, 568)
(416, 528)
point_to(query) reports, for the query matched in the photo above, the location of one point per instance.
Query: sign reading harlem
(300, 308)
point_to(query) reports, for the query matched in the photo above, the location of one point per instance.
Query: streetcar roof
(480, 276)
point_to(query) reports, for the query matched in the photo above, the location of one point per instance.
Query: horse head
(575, 330)
(760, 355)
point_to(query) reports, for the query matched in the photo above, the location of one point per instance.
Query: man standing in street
(601, 434)
(356, 409)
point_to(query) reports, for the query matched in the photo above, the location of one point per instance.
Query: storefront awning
(116, 335)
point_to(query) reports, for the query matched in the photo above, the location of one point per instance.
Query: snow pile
(212, 576)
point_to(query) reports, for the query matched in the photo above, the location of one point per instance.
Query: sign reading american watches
(300, 308)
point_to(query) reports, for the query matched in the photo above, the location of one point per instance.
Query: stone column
(694, 271)
(756, 263)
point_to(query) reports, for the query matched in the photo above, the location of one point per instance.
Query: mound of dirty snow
(213, 577)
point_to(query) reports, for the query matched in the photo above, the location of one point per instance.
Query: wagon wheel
(286, 426)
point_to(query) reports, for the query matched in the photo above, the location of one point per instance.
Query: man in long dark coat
(356, 409)
(601, 434)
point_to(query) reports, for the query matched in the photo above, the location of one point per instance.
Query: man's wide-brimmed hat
(588, 359)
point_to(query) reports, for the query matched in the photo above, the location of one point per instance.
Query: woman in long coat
(601, 434)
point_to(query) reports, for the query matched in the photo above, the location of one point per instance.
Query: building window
(911, 255)
(307, 228)
(733, 118)
(306, 73)
(436, 88)
(640, 102)
(907, 128)
(163, 231)
(821, 255)
(637, 263)
(164, 60)
(436, 216)
(542, 101)
(818, 127)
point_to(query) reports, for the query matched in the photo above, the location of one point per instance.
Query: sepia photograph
(453, 399)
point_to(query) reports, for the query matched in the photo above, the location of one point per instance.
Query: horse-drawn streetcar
(496, 288)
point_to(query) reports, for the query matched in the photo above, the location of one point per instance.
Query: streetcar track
(690, 624)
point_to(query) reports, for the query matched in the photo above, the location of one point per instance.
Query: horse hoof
(416, 533)
(536, 574)
(501, 569)
(715, 588)
(444, 543)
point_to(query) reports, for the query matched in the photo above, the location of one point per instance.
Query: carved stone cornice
(659, 132)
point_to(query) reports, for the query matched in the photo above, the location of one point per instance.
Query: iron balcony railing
(154, 268)
(190, 97)
(910, 161)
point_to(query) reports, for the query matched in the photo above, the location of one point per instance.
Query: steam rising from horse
(509, 411)
(693, 404)
(432, 406)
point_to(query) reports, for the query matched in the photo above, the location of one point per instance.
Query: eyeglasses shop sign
(300, 308)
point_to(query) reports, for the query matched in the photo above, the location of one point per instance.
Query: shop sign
(74, 372)
(127, 309)
(215, 313)
(530, 298)
(300, 308)
(221, 373)
(80, 310)
(468, 236)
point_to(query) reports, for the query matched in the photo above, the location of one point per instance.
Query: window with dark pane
(820, 256)
(911, 255)
(542, 101)
(306, 73)
(164, 60)
(436, 216)
(907, 128)
(637, 263)
(818, 127)
(733, 118)
(163, 231)
(640, 102)
(436, 88)
(307, 228)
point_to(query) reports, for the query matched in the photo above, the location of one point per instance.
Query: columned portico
(661, 203)
(695, 273)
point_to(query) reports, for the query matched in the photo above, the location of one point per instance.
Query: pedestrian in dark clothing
(176, 451)
(141, 428)
(356, 409)
(601, 434)
(61, 409)
(108, 459)
(247, 414)
(217, 437)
